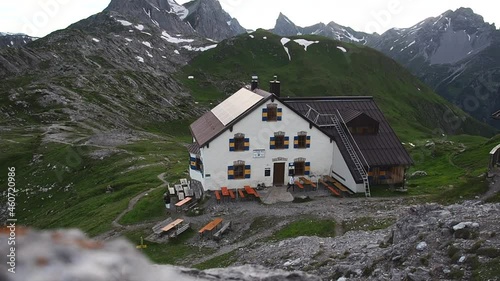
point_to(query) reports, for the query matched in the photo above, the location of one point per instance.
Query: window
(196, 163)
(238, 171)
(199, 164)
(272, 113)
(301, 167)
(279, 141)
(239, 143)
(302, 140)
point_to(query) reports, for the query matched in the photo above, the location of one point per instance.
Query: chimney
(275, 86)
(255, 82)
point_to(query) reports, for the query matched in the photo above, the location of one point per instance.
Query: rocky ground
(427, 242)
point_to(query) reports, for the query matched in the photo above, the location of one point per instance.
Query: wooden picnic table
(182, 202)
(307, 181)
(171, 225)
(210, 226)
(297, 183)
(330, 179)
(249, 190)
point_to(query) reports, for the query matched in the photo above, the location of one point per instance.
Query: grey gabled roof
(223, 116)
(382, 149)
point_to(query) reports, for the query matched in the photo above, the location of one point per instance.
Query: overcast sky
(40, 17)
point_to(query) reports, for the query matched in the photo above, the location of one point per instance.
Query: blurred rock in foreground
(69, 255)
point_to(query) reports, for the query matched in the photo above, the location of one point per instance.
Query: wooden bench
(332, 190)
(192, 205)
(297, 183)
(256, 194)
(307, 181)
(179, 205)
(179, 230)
(210, 226)
(240, 192)
(231, 194)
(223, 229)
(217, 196)
(157, 229)
(338, 185)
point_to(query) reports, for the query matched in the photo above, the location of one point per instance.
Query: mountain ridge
(454, 53)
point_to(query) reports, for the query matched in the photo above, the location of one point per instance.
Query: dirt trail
(118, 228)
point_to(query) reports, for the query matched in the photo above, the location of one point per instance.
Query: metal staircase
(346, 140)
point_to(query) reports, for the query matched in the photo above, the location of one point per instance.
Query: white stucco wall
(339, 166)
(217, 157)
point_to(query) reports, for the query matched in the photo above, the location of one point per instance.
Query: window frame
(281, 139)
(272, 112)
(299, 163)
(239, 143)
(302, 141)
(237, 168)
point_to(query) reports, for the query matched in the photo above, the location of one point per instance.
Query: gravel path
(118, 228)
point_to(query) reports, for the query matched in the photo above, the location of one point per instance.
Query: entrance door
(279, 174)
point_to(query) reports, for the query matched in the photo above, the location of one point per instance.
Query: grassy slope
(66, 187)
(411, 107)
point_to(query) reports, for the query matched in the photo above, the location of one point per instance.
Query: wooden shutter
(307, 168)
(230, 172)
(272, 143)
(287, 142)
(231, 144)
(247, 144)
(296, 142)
(248, 171)
(279, 114)
(192, 163)
(308, 142)
(264, 114)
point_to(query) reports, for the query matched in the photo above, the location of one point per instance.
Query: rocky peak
(447, 38)
(211, 21)
(9, 40)
(285, 27)
(165, 14)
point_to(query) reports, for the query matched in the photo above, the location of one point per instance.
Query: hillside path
(118, 228)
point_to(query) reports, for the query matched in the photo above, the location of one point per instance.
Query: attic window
(272, 112)
(239, 142)
(362, 130)
(363, 125)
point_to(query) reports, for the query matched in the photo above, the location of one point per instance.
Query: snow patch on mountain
(166, 36)
(124, 22)
(177, 9)
(285, 40)
(305, 43)
(342, 49)
(199, 49)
